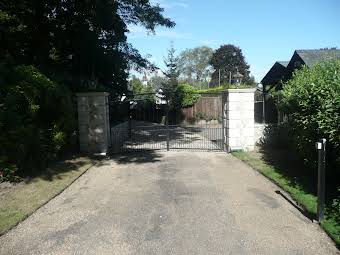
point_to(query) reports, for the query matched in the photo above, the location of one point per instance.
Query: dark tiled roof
(311, 57)
(275, 74)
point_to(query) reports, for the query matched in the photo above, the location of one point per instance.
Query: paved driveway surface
(168, 203)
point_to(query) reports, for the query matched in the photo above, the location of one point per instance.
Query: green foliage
(186, 96)
(332, 219)
(79, 43)
(156, 82)
(194, 65)
(135, 85)
(214, 89)
(226, 86)
(172, 74)
(36, 119)
(311, 99)
(8, 172)
(140, 91)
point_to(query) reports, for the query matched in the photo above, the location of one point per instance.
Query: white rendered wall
(93, 121)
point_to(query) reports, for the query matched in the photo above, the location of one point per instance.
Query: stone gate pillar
(93, 121)
(238, 116)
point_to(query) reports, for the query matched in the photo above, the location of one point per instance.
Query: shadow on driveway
(137, 157)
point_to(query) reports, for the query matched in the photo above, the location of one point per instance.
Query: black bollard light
(321, 148)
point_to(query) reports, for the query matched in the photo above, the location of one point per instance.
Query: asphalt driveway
(168, 203)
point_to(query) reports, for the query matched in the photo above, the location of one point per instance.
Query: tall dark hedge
(37, 120)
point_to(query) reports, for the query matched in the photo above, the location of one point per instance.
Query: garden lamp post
(237, 78)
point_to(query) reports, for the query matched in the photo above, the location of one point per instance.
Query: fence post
(167, 127)
(130, 120)
(321, 148)
(263, 105)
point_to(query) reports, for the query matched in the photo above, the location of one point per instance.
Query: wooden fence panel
(207, 107)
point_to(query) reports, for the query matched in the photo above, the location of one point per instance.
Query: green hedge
(185, 96)
(227, 86)
(36, 121)
(311, 99)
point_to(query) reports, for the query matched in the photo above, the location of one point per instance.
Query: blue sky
(265, 30)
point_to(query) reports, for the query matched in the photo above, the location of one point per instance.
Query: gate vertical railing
(130, 120)
(160, 126)
(167, 127)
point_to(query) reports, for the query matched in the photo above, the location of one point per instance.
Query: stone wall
(239, 119)
(93, 122)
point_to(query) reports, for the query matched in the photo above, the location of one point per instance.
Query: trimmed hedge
(37, 121)
(185, 96)
(227, 86)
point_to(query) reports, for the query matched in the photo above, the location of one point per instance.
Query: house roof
(311, 57)
(275, 74)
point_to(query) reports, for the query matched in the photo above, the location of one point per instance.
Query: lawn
(282, 169)
(18, 201)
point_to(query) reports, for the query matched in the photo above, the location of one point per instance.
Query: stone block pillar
(93, 121)
(239, 123)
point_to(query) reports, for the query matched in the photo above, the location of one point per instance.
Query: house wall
(295, 63)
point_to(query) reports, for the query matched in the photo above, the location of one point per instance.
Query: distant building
(160, 98)
(275, 75)
(309, 58)
(282, 71)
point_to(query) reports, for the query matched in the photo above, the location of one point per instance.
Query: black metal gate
(154, 123)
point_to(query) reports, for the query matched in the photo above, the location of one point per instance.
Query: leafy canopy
(156, 82)
(82, 43)
(194, 65)
(226, 60)
(140, 91)
(186, 95)
(36, 119)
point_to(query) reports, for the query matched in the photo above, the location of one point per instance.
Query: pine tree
(172, 74)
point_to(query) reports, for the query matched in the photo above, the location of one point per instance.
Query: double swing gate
(153, 123)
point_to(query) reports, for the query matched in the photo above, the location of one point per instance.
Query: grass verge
(18, 201)
(305, 199)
